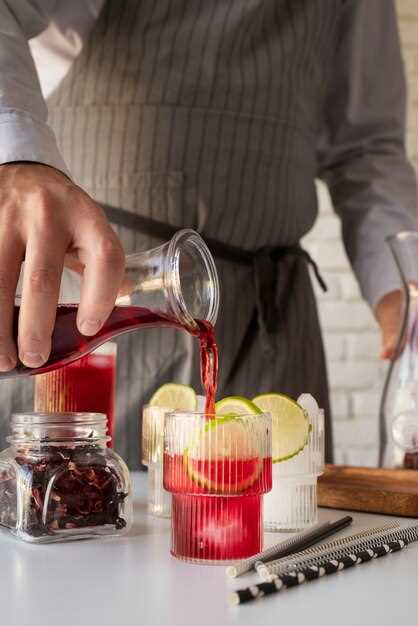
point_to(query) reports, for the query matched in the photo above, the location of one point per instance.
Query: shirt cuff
(24, 138)
(378, 275)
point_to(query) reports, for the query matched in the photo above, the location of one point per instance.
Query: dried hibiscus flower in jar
(58, 480)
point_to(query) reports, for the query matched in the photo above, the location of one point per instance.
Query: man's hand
(45, 220)
(389, 316)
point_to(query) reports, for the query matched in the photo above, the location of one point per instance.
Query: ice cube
(201, 401)
(308, 402)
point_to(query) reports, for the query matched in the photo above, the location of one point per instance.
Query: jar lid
(58, 418)
(64, 427)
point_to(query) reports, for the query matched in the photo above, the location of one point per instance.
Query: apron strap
(160, 230)
(265, 263)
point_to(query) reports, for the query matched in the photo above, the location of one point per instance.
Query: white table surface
(133, 581)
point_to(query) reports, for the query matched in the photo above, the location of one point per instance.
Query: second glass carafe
(399, 405)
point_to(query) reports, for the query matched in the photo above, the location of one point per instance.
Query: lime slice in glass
(175, 397)
(236, 405)
(222, 457)
(290, 425)
(169, 397)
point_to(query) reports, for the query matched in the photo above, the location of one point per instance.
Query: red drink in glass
(217, 471)
(87, 385)
(214, 527)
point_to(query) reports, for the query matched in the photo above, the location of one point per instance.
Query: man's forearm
(24, 133)
(362, 147)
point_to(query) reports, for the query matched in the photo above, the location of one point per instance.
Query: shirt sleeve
(24, 132)
(361, 148)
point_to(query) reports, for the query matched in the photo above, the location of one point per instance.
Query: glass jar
(59, 481)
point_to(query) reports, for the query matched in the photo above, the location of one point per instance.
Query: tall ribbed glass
(159, 500)
(217, 470)
(292, 503)
(85, 385)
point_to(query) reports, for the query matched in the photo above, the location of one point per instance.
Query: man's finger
(104, 263)
(44, 262)
(11, 256)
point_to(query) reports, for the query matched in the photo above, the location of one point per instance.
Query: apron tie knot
(265, 279)
(266, 264)
(305, 254)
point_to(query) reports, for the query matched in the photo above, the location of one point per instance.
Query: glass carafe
(175, 284)
(399, 404)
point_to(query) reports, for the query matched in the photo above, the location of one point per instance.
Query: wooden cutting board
(386, 491)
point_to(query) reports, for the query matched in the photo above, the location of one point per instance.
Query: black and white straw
(367, 538)
(290, 546)
(312, 572)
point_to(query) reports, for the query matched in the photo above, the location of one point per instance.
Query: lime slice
(236, 405)
(290, 423)
(222, 458)
(175, 397)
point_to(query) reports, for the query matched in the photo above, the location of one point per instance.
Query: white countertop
(133, 581)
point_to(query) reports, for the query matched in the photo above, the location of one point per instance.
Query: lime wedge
(222, 458)
(175, 397)
(290, 425)
(236, 405)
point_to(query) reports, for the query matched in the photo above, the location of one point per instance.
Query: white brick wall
(352, 339)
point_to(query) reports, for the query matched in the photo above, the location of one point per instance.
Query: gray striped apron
(204, 114)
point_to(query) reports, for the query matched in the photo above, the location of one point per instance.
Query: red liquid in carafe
(68, 344)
